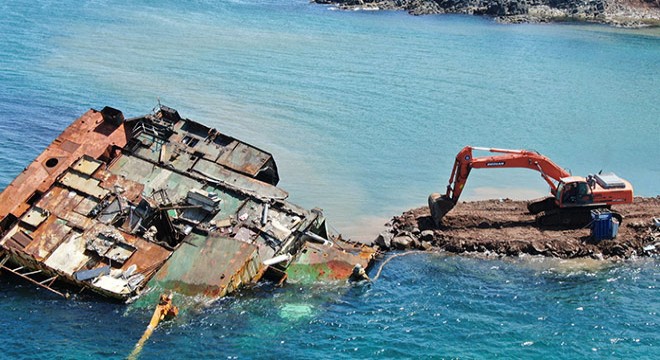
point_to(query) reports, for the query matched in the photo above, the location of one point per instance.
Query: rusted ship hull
(119, 205)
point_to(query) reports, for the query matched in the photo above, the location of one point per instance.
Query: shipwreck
(119, 205)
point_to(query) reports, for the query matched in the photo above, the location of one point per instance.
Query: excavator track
(571, 217)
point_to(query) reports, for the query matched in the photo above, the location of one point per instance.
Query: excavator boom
(550, 172)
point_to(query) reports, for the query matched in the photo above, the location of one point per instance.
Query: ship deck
(119, 205)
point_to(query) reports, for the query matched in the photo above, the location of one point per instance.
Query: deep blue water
(364, 112)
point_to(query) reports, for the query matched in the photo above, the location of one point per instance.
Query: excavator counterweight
(572, 197)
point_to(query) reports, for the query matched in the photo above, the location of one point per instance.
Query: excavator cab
(574, 191)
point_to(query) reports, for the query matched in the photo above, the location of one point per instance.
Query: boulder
(402, 242)
(384, 240)
(427, 235)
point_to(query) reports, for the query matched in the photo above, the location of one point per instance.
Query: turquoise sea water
(364, 112)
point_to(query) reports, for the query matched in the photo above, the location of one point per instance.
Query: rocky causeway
(505, 228)
(621, 13)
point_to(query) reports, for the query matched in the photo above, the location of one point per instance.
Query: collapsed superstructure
(118, 205)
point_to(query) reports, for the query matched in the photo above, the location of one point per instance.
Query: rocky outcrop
(505, 228)
(629, 13)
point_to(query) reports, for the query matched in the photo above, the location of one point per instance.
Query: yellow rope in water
(164, 310)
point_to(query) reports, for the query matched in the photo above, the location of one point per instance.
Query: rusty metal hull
(119, 205)
(213, 266)
(324, 263)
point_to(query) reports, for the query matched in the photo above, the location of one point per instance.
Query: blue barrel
(603, 225)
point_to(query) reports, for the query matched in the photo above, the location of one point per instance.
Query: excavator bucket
(439, 205)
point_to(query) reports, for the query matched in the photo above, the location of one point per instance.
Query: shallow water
(422, 306)
(364, 112)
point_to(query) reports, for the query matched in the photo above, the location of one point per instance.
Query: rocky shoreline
(505, 228)
(621, 13)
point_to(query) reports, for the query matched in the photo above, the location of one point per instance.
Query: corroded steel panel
(154, 178)
(69, 256)
(147, 258)
(83, 184)
(89, 136)
(230, 202)
(76, 220)
(317, 262)
(151, 153)
(86, 165)
(209, 169)
(213, 266)
(183, 163)
(35, 216)
(19, 240)
(59, 200)
(85, 206)
(244, 158)
(47, 237)
(131, 190)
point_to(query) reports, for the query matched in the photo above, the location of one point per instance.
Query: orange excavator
(573, 197)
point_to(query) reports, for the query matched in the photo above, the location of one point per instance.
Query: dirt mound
(505, 227)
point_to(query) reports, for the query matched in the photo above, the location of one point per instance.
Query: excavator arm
(550, 172)
(465, 162)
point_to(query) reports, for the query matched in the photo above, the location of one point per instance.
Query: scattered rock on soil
(505, 227)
